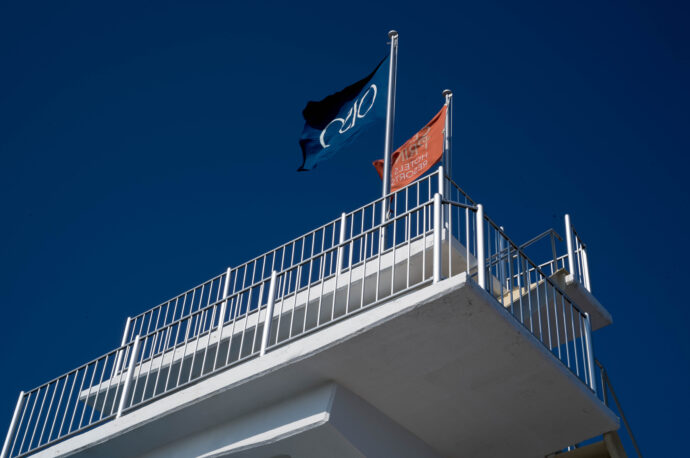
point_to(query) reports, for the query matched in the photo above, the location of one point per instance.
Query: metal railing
(433, 230)
(56, 409)
(530, 295)
(606, 387)
(554, 238)
(571, 259)
(221, 322)
(285, 257)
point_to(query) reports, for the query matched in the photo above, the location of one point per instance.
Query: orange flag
(417, 155)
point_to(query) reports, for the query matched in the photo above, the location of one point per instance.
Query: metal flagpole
(388, 145)
(448, 134)
(390, 117)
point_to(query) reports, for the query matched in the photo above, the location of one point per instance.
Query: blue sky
(146, 148)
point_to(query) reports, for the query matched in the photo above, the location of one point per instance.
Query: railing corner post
(437, 237)
(441, 181)
(481, 258)
(130, 373)
(269, 313)
(569, 243)
(13, 426)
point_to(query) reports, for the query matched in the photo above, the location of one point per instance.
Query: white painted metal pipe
(437, 237)
(124, 335)
(502, 259)
(341, 239)
(223, 308)
(441, 180)
(128, 379)
(224, 305)
(269, 312)
(118, 360)
(585, 269)
(590, 352)
(569, 243)
(13, 426)
(554, 265)
(481, 257)
(448, 131)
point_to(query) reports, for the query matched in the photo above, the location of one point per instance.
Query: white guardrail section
(252, 274)
(574, 260)
(433, 231)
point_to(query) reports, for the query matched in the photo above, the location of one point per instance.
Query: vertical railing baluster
(269, 313)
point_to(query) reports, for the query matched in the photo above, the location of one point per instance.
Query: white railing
(253, 273)
(607, 387)
(538, 303)
(569, 257)
(327, 275)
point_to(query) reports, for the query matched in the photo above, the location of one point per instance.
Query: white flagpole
(448, 134)
(390, 118)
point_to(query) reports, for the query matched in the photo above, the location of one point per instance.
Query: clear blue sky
(146, 148)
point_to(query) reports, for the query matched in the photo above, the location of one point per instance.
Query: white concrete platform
(446, 364)
(584, 299)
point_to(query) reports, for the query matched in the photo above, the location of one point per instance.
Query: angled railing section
(568, 256)
(612, 441)
(433, 230)
(607, 388)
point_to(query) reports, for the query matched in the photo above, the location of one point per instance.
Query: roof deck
(431, 315)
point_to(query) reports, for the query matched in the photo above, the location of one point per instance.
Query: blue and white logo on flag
(336, 120)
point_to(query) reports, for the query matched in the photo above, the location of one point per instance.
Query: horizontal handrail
(544, 234)
(460, 205)
(460, 191)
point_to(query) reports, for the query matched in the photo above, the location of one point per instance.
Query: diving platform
(428, 333)
(445, 366)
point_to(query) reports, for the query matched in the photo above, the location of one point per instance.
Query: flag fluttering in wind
(336, 120)
(418, 154)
